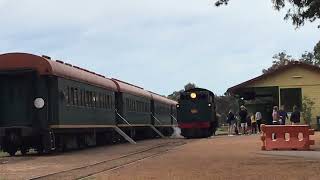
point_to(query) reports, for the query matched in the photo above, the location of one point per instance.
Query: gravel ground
(33, 165)
(222, 157)
(233, 158)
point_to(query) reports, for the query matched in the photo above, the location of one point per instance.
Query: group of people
(279, 117)
(249, 123)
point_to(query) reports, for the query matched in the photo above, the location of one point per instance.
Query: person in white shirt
(258, 119)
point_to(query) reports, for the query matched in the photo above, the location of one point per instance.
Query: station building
(287, 86)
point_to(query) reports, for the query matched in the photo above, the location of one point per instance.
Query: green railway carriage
(43, 101)
(163, 116)
(133, 105)
(197, 113)
(81, 104)
(48, 105)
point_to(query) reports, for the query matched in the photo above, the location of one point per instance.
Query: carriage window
(94, 99)
(97, 99)
(83, 97)
(90, 99)
(76, 96)
(134, 105)
(80, 97)
(72, 95)
(127, 102)
(86, 98)
(68, 95)
(112, 101)
(100, 100)
(103, 101)
(137, 106)
(108, 102)
(140, 106)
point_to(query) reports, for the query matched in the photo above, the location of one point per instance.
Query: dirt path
(223, 158)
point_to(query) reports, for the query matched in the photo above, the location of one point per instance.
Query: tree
(281, 59)
(299, 11)
(307, 106)
(175, 95)
(308, 58)
(316, 52)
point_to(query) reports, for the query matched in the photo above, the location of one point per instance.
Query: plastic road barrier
(286, 137)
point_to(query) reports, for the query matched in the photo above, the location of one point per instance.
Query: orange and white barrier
(286, 137)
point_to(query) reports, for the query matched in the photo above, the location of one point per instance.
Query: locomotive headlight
(178, 105)
(193, 95)
(209, 105)
(38, 103)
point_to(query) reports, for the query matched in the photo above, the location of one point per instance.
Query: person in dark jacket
(243, 119)
(295, 116)
(231, 122)
(283, 115)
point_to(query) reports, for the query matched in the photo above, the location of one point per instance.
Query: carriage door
(16, 98)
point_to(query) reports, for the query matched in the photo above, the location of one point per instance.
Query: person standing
(258, 120)
(236, 126)
(253, 124)
(248, 131)
(231, 122)
(295, 116)
(275, 120)
(243, 118)
(275, 116)
(283, 115)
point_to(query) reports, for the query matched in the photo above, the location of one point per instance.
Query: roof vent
(127, 83)
(47, 57)
(59, 61)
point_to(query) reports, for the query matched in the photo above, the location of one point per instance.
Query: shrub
(307, 106)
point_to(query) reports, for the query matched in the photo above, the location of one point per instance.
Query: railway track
(112, 164)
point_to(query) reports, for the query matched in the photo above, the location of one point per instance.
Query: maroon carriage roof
(159, 98)
(44, 66)
(131, 89)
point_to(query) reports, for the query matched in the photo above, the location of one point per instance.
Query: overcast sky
(159, 45)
